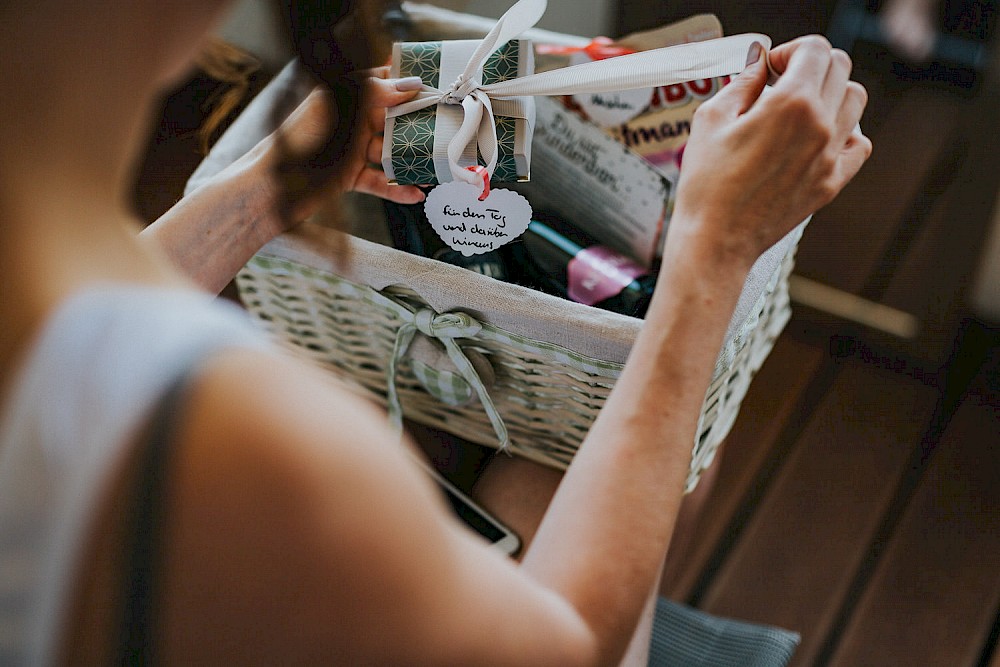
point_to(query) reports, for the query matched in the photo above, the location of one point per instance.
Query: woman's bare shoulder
(276, 484)
(300, 525)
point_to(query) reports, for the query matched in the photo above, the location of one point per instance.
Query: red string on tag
(598, 49)
(481, 171)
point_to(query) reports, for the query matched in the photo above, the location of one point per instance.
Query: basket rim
(573, 358)
(515, 309)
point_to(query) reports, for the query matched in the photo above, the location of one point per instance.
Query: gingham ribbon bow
(647, 69)
(445, 327)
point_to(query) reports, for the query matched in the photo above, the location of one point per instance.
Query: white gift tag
(470, 226)
(611, 109)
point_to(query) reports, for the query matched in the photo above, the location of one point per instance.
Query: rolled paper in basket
(482, 102)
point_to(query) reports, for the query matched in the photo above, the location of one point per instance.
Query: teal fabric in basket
(686, 637)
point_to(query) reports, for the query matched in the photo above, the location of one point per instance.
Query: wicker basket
(509, 365)
(344, 305)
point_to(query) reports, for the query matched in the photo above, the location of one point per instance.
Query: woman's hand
(306, 127)
(213, 231)
(756, 165)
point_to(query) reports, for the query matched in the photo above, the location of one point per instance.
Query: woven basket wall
(547, 394)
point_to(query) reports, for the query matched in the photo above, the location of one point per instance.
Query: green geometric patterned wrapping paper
(409, 158)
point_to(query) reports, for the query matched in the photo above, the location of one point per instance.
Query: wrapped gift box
(415, 150)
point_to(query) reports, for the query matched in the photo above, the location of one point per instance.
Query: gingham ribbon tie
(444, 327)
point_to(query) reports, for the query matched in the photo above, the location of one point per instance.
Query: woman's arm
(298, 500)
(753, 169)
(213, 231)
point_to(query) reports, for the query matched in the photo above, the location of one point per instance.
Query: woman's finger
(385, 93)
(854, 154)
(375, 119)
(779, 56)
(373, 152)
(372, 181)
(390, 92)
(742, 92)
(835, 85)
(381, 72)
(851, 109)
(802, 64)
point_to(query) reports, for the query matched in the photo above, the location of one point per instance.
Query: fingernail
(408, 84)
(753, 55)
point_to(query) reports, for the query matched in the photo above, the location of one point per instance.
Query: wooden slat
(934, 594)
(932, 276)
(930, 281)
(770, 403)
(847, 239)
(795, 561)
(852, 308)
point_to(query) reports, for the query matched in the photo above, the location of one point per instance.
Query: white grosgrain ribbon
(646, 69)
(467, 91)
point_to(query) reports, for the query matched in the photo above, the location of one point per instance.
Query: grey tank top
(90, 382)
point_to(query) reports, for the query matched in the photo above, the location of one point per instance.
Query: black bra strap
(143, 555)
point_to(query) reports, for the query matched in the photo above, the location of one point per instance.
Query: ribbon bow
(445, 327)
(646, 69)
(475, 98)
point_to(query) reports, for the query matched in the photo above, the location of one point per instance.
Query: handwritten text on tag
(611, 109)
(614, 108)
(470, 226)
